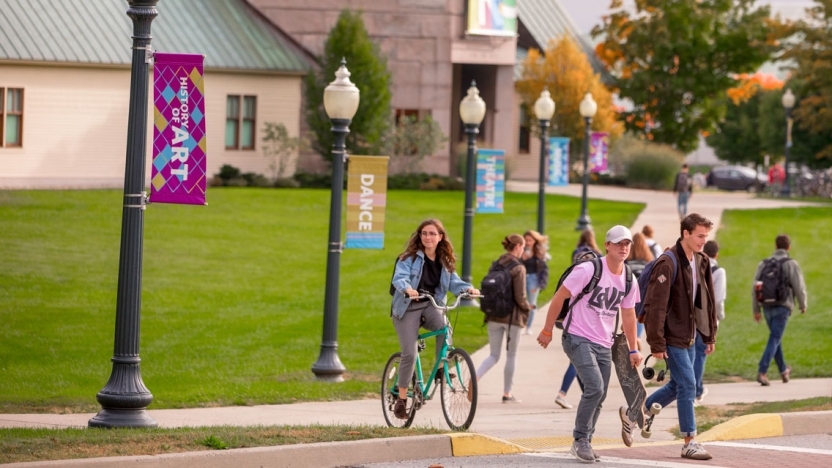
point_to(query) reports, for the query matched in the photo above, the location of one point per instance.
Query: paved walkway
(536, 422)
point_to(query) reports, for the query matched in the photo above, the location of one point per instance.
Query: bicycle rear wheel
(390, 393)
(459, 391)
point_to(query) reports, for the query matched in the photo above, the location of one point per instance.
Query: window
(240, 122)
(11, 117)
(525, 134)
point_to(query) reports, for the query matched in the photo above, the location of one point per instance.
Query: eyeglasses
(429, 234)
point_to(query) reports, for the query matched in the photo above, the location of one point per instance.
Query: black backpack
(775, 290)
(498, 291)
(590, 286)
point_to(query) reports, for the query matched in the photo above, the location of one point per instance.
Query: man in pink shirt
(589, 329)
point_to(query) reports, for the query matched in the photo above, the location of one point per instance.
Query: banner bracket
(143, 201)
(336, 247)
(149, 54)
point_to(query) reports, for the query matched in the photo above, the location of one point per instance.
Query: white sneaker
(702, 396)
(695, 451)
(626, 426)
(560, 401)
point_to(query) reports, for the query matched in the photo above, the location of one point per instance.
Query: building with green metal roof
(65, 79)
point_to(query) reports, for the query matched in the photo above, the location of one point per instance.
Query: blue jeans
(682, 388)
(532, 291)
(593, 363)
(682, 202)
(699, 363)
(568, 377)
(776, 318)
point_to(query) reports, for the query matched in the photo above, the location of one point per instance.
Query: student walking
(647, 230)
(683, 187)
(777, 310)
(679, 302)
(711, 249)
(589, 329)
(537, 271)
(509, 326)
(640, 256)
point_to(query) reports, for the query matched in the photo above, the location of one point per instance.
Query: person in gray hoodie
(777, 316)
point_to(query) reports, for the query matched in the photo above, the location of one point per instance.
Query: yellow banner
(366, 201)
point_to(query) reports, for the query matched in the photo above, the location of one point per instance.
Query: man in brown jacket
(679, 301)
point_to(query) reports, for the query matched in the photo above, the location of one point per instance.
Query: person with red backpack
(777, 283)
(776, 177)
(589, 325)
(678, 303)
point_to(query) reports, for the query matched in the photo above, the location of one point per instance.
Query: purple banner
(599, 145)
(179, 141)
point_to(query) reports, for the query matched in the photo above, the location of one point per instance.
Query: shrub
(286, 182)
(228, 172)
(310, 180)
(645, 164)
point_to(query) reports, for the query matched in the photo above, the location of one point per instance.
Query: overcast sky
(588, 13)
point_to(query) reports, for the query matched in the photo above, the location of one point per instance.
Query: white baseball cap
(618, 233)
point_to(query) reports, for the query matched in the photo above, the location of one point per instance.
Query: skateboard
(634, 391)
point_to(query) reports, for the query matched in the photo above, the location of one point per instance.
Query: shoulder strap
(593, 281)
(672, 256)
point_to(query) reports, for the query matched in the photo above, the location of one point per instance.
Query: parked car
(737, 178)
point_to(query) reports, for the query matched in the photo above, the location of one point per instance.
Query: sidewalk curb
(753, 426)
(466, 445)
(331, 454)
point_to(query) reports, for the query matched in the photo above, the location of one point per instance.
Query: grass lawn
(232, 297)
(747, 237)
(25, 445)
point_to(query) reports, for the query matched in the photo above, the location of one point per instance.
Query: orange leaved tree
(566, 72)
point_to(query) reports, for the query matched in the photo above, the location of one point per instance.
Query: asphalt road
(812, 451)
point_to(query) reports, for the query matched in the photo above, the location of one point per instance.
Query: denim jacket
(408, 273)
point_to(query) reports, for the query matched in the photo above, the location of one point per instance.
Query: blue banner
(558, 161)
(491, 180)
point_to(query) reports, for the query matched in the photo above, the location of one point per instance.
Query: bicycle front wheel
(390, 393)
(459, 390)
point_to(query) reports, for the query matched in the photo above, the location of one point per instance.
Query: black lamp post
(788, 105)
(544, 109)
(471, 111)
(124, 398)
(340, 102)
(587, 109)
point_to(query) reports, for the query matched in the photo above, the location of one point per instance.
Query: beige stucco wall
(75, 123)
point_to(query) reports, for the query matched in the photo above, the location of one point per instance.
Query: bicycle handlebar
(447, 307)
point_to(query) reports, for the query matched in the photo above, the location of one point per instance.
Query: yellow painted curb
(750, 426)
(465, 445)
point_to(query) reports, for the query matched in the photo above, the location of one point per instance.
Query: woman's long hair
(588, 239)
(540, 242)
(444, 250)
(640, 250)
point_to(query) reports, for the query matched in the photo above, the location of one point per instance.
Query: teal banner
(491, 180)
(558, 161)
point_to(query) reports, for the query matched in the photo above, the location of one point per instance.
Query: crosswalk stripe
(621, 461)
(778, 448)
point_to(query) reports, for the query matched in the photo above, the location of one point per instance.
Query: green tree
(348, 39)
(675, 60)
(280, 148)
(412, 139)
(810, 49)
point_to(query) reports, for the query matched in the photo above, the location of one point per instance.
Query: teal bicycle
(457, 380)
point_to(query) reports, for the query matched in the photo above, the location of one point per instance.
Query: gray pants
(593, 363)
(407, 328)
(496, 332)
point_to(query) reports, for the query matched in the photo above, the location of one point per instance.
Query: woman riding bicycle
(427, 265)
